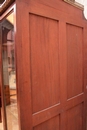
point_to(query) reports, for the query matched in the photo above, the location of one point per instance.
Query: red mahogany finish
(51, 41)
(51, 65)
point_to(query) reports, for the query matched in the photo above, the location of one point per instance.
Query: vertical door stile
(3, 110)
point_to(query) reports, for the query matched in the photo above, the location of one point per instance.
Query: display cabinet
(43, 66)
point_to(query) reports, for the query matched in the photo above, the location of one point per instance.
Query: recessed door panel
(44, 62)
(75, 62)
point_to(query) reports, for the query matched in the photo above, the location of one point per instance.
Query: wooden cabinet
(51, 65)
(53, 46)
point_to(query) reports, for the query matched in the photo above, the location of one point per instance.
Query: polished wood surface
(44, 62)
(1, 85)
(51, 42)
(5, 5)
(74, 63)
(51, 65)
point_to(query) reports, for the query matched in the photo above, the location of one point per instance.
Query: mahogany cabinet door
(50, 65)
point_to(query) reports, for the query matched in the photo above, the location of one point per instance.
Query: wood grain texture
(44, 62)
(51, 83)
(52, 124)
(75, 118)
(46, 114)
(49, 52)
(75, 63)
(22, 48)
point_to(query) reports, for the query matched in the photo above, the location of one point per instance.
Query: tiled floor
(12, 115)
(1, 126)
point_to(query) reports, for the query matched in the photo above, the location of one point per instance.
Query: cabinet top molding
(76, 4)
(4, 5)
